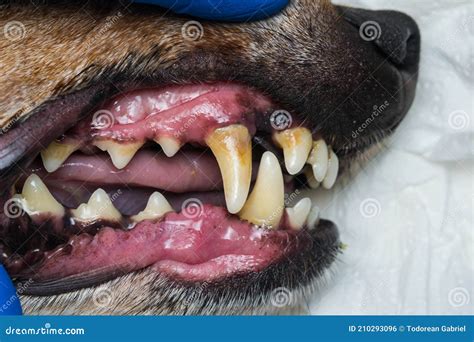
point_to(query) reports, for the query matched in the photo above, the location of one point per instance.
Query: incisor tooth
(38, 199)
(313, 217)
(296, 144)
(232, 148)
(56, 153)
(156, 207)
(266, 203)
(120, 153)
(169, 145)
(99, 206)
(298, 215)
(318, 159)
(333, 168)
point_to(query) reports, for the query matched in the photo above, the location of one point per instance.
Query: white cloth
(407, 216)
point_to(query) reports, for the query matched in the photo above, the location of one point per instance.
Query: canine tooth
(38, 199)
(333, 168)
(156, 207)
(232, 148)
(99, 206)
(312, 182)
(56, 153)
(298, 215)
(313, 217)
(120, 153)
(169, 145)
(318, 159)
(296, 144)
(266, 203)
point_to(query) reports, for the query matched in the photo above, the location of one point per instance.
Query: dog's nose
(394, 33)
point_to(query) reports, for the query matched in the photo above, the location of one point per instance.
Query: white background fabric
(407, 216)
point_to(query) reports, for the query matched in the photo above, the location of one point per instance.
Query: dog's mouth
(197, 182)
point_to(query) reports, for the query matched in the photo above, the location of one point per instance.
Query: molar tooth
(99, 206)
(38, 199)
(313, 217)
(333, 168)
(120, 153)
(298, 215)
(266, 203)
(56, 153)
(156, 207)
(169, 145)
(296, 144)
(232, 148)
(312, 182)
(318, 159)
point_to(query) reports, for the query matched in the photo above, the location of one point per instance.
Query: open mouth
(196, 182)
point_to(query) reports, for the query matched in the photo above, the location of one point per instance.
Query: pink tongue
(193, 245)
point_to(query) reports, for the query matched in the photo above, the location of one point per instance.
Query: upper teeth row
(232, 148)
(259, 209)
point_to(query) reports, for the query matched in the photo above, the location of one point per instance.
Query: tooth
(266, 203)
(312, 182)
(99, 206)
(56, 153)
(232, 148)
(313, 217)
(170, 146)
(333, 168)
(38, 198)
(120, 153)
(156, 207)
(296, 144)
(318, 159)
(298, 215)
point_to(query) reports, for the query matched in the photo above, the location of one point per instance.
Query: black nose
(395, 34)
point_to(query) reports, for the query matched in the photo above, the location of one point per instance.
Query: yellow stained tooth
(266, 203)
(298, 215)
(169, 145)
(56, 153)
(38, 199)
(318, 159)
(232, 148)
(296, 144)
(156, 207)
(120, 153)
(99, 206)
(333, 169)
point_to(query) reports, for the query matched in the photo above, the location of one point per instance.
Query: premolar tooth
(156, 207)
(333, 168)
(313, 217)
(298, 215)
(318, 159)
(312, 182)
(232, 148)
(99, 206)
(296, 144)
(56, 153)
(120, 153)
(169, 145)
(38, 199)
(266, 203)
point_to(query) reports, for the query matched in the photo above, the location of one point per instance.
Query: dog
(345, 75)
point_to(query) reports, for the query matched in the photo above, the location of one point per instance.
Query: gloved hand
(9, 302)
(226, 10)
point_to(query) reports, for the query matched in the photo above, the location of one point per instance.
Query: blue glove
(227, 10)
(9, 302)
